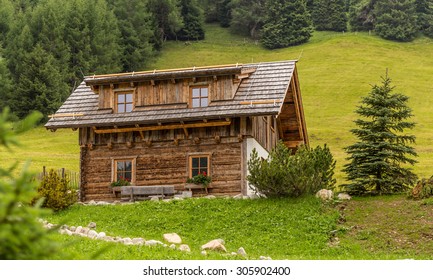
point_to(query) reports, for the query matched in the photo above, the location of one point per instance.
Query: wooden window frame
(124, 91)
(191, 98)
(114, 162)
(199, 155)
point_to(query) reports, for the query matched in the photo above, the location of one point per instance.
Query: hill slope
(335, 70)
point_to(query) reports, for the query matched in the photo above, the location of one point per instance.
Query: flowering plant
(121, 182)
(200, 178)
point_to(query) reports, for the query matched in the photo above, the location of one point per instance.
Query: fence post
(63, 173)
(43, 172)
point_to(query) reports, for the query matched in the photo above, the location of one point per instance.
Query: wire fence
(72, 176)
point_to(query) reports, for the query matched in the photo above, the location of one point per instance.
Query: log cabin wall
(264, 131)
(162, 158)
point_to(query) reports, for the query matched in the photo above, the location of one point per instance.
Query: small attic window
(199, 96)
(124, 102)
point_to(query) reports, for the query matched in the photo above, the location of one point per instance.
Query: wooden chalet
(158, 128)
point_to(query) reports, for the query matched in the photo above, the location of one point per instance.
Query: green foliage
(192, 21)
(200, 178)
(423, 189)
(329, 15)
(287, 23)
(248, 17)
(361, 15)
(284, 174)
(56, 192)
(21, 234)
(376, 159)
(396, 20)
(166, 17)
(5, 84)
(120, 182)
(224, 13)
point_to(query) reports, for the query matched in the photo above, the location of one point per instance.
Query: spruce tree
(287, 23)
(248, 17)
(5, 84)
(329, 15)
(396, 20)
(224, 12)
(378, 161)
(424, 10)
(192, 21)
(361, 15)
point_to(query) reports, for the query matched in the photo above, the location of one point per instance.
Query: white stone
(344, 196)
(91, 225)
(172, 246)
(172, 238)
(85, 230)
(210, 196)
(101, 235)
(245, 197)
(68, 232)
(92, 234)
(215, 245)
(102, 203)
(78, 229)
(72, 228)
(234, 254)
(325, 194)
(153, 243)
(138, 241)
(108, 238)
(242, 252)
(238, 196)
(91, 202)
(187, 194)
(204, 253)
(265, 258)
(253, 196)
(154, 198)
(184, 248)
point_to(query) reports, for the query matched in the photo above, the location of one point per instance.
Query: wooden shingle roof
(255, 96)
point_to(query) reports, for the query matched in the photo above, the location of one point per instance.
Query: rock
(68, 232)
(210, 196)
(85, 230)
(204, 253)
(253, 196)
(184, 248)
(153, 243)
(173, 246)
(172, 238)
(187, 194)
(138, 241)
(102, 203)
(215, 245)
(265, 258)
(73, 229)
(92, 234)
(127, 241)
(78, 229)
(116, 202)
(108, 238)
(238, 196)
(91, 225)
(245, 197)
(154, 198)
(242, 252)
(177, 198)
(91, 202)
(325, 194)
(234, 254)
(101, 235)
(344, 196)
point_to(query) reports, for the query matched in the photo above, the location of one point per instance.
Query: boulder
(184, 248)
(325, 194)
(214, 245)
(344, 196)
(242, 252)
(172, 238)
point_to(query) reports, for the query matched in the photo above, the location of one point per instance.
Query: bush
(56, 191)
(292, 175)
(423, 189)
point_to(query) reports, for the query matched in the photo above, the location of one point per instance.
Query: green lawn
(389, 227)
(335, 70)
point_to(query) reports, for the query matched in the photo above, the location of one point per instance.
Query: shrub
(56, 191)
(423, 189)
(292, 175)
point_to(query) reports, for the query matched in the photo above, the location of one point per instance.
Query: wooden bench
(135, 192)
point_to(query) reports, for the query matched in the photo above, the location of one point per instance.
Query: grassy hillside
(335, 70)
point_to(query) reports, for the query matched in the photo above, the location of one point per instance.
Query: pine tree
(396, 20)
(375, 161)
(248, 17)
(166, 17)
(137, 32)
(192, 21)
(6, 17)
(5, 84)
(329, 15)
(40, 86)
(223, 11)
(361, 15)
(424, 9)
(287, 23)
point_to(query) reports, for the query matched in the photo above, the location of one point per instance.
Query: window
(124, 102)
(198, 164)
(199, 97)
(124, 169)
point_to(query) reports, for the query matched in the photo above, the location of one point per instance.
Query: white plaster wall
(251, 144)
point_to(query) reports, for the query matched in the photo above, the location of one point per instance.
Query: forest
(48, 46)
